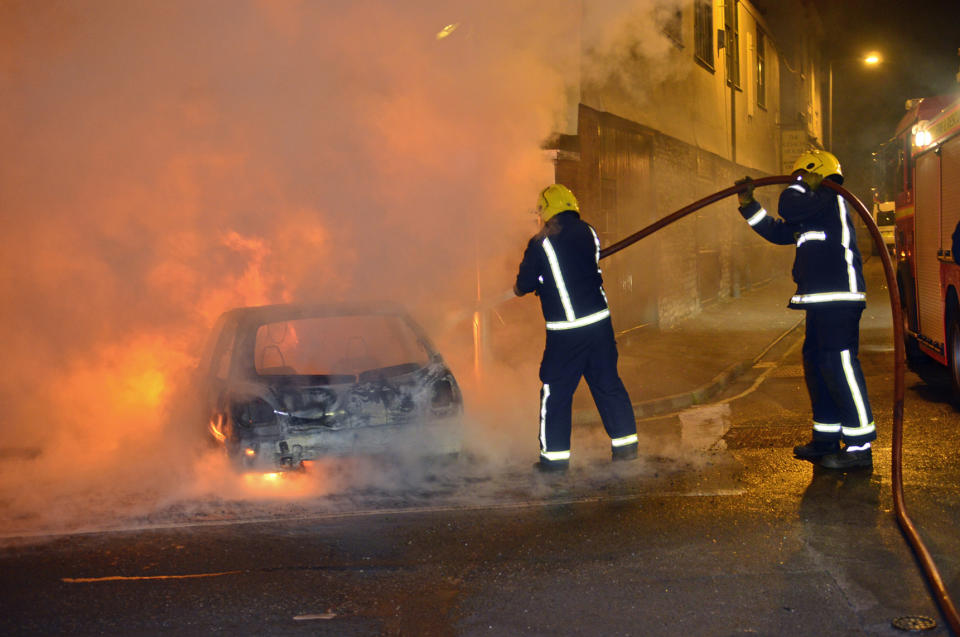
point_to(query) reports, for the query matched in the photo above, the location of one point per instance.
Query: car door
(217, 379)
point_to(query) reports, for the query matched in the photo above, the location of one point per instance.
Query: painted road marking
(300, 618)
(123, 578)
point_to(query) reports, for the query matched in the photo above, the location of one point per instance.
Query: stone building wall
(626, 177)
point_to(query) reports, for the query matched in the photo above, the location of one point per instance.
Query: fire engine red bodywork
(926, 189)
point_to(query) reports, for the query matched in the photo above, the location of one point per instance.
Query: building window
(731, 42)
(761, 69)
(703, 32)
(670, 21)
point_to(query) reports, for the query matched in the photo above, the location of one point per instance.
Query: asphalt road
(715, 530)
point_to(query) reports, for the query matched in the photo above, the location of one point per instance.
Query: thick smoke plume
(165, 161)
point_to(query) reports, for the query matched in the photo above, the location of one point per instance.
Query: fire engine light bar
(921, 136)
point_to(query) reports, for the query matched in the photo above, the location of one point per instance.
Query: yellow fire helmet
(819, 162)
(555, 199)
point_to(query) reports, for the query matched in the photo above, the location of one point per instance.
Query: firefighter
(560, 265)
(830, 288)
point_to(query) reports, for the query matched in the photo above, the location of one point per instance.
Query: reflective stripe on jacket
(560, 265)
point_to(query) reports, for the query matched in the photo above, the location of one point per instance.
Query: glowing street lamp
(871, 59)
(448, 30)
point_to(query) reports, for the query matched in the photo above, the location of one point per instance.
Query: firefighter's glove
(745, 196)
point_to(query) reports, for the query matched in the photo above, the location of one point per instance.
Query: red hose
(896, 465)
(906, 525)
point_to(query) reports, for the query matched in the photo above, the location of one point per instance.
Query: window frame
(703, 34)
(761, 86)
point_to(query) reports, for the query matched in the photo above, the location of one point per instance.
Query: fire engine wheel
(953, 352)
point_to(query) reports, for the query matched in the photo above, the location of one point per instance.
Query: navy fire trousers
(838, 394)
(589, 352)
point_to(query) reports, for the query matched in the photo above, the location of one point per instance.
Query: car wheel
(953, 352)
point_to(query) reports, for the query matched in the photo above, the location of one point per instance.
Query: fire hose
(906, 525)
(934, 580)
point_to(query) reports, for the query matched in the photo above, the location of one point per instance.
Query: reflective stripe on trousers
(838, 393)
(624, 441)
(548, 455)
(588, 353)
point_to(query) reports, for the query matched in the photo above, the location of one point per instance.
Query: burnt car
(283, 384)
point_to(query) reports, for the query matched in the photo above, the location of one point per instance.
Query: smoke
(166, 161)
(633, 47)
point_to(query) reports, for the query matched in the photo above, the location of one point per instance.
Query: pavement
(667, 370)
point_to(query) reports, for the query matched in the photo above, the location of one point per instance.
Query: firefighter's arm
(799, 203)
(773, 230)
(528, 275)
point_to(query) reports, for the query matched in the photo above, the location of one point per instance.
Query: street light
(870, 59)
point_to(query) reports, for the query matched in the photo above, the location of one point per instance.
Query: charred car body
(281, 384)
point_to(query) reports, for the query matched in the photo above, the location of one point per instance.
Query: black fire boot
(816, 449)
(862, 459)
(551, 466)
(626, 452)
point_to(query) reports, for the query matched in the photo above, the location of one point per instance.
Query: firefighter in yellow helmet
(560, 265)
(828, 272)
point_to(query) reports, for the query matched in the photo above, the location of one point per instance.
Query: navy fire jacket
(560, 265)
(827, 268)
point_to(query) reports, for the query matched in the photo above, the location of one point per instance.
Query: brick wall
(712, 254)
(630, 176)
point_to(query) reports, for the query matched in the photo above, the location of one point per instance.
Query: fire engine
(920, 173)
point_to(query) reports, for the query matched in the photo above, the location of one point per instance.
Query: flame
(257, 481)
(117, 393)
(149, 386)
(279, 484)
(215, 428)
(149, 207)
(252, 283)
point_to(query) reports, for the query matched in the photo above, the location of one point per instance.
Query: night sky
(918, 41)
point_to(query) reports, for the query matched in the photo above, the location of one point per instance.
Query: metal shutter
(950, 197)
(927, 223)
